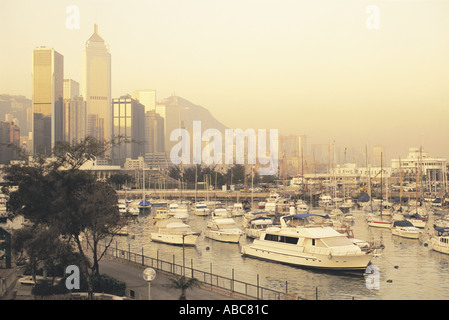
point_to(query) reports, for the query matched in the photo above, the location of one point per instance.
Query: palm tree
(183, 284)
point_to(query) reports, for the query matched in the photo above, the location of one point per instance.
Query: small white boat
(122, 208)
(257, 225)
(201, 209)
(220, 212)
(417, 220)
(179, 211)
(302, 207)
(348, 217)
(378, 221)
(325, 200)
(405, 229)
(223, 229)
(174, 231)
(134, 211)
(238, 210)
(440, 242)
(173, 207)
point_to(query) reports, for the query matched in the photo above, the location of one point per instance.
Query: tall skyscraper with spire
(48, 75)
(97, 87)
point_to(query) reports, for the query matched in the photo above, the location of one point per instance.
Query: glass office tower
(48, 75)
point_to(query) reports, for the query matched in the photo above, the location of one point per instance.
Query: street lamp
(148, 275)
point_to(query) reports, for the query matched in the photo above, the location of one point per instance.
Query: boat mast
(381, 183)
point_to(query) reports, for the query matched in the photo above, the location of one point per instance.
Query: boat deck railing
(333, 251)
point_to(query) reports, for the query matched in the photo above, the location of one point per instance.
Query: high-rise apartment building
(9, 135)
(97, 87)
(48, 75)
(129, 125)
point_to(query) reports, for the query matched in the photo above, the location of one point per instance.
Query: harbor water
(407, 269)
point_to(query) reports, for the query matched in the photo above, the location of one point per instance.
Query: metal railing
(227, 285)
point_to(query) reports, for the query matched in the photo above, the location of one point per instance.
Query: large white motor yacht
(316, 247)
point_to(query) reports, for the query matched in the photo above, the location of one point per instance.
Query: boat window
(291, 240)
(271, 237)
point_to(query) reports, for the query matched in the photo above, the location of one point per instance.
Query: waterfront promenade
(137, 287)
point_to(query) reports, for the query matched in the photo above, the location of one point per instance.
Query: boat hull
(304, 259)
(380, 224)
(404, 233)
(222, 236)
(189, 240)
(202, 212)
(436, 245)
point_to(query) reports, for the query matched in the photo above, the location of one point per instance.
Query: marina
(408, 268)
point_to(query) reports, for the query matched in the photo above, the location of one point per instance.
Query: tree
(47, 253)
(55, 194)
(120, 179)
(182, 283)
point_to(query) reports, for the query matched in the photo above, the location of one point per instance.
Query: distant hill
(190, 112)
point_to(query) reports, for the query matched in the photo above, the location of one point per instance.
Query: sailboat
(144, 204)
(376, 220)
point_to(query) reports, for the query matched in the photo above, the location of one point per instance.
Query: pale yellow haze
(323, 68)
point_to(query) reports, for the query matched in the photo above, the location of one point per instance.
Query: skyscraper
(97, 87)
(48, 75)
(147, 98)
(129, 124)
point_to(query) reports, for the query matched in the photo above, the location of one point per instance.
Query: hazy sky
(302, 66)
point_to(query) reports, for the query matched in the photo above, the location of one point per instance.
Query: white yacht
(257, 225)
(174, 231)
(315, 247)
(122, 208)
(405, 229)
(301, 206)
(238, 210)
(220, 212)
(379, 221)
(201, 209)
(440, 242)
(417, 220)
(223, 229)
(179, 211)
(325, 201)
(133, 210)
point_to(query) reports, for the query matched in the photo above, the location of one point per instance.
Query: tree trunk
(85, 269)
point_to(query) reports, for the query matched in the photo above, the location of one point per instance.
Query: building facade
(9, 138)
(419, 164)
(48, 75)
(129, 125)
(97, 87)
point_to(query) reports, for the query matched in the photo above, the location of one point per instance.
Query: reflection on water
(408, 269)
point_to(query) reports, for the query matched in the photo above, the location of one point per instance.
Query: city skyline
(304, 67)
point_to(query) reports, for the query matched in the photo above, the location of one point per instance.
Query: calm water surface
(407, 268)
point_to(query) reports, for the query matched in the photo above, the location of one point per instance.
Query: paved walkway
(160, 286)
(135, 284)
